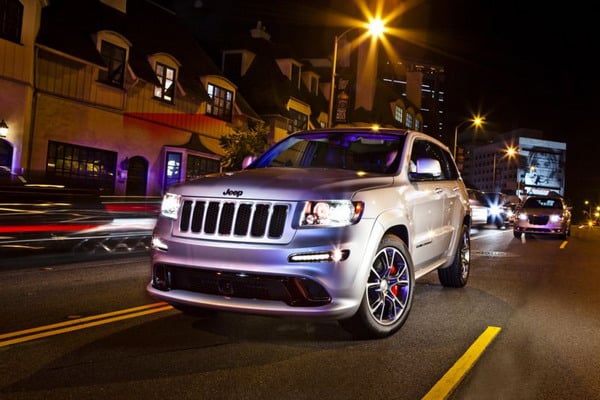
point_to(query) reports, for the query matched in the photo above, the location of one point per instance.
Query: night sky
(522, 64)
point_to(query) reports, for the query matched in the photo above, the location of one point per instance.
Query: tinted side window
(427, 149)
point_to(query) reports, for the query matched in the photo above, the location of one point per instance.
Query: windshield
(534, 202)
(368, 152)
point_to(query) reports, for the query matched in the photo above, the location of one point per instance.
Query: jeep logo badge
(236, 193)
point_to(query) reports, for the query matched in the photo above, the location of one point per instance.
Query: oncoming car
(543, 215)
(332, 223)
(488, 208)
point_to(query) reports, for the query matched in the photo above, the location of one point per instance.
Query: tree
(244, 141)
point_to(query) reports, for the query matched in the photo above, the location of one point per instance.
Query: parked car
(332, 223)
(543, 215)
(488, 208)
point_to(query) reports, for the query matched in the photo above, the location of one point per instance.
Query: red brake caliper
(394, 289)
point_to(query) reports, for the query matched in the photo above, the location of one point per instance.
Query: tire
(517, 235)
(457, 274)
(388, 295)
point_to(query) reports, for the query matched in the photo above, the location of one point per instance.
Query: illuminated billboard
(541, 166)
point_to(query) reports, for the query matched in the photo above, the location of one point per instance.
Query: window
(423, 149)
(222, 101)
(82, 166)
(173, 169)
(166, 77)
(417, 125)
(409, 120)
(399, 114)
(114, 58)
(198, 166)
(297, 121)
(11, 19)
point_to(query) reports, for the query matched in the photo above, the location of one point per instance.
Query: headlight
(522, 216)
(555, 218)
(495, 210)
(330, 213)
(170, 205)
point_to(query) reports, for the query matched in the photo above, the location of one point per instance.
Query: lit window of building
(166, 77)
(222, 102)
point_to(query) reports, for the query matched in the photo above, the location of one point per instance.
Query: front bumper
(261, 278)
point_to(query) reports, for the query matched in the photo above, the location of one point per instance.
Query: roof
(68, 26)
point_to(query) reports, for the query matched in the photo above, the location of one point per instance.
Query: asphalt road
(88, 330)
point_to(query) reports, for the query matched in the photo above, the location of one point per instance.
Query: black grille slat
(259, 223)
(242, 220)
(211, 217)
(226, 220)
(185, 215)
(277, 221)
(233, 219)
(198, 217)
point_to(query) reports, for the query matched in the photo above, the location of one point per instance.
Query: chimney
(260, 31)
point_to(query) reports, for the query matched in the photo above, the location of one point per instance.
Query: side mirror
(429, 166)
(247, 161)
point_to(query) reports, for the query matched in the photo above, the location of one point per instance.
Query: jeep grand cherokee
(331, 223)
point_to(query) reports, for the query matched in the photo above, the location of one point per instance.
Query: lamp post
(509, 152)
(476, 121)
(375, 28)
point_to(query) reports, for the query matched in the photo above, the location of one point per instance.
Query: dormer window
(166, 77)
(114, 58)
(11, 20)
(399, 114)
(222, 102)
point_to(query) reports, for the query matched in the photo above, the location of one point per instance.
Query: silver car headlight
(555, 218)
(330, 213)
(170, 205)
(522, 216)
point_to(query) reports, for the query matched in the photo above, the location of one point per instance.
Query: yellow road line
(449, 382)
(563, 244)
(81, 323)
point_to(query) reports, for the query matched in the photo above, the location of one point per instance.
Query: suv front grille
(538, 220)
(232, 219)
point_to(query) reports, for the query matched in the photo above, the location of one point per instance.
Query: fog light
(321, 256)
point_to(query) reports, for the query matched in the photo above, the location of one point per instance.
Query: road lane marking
(446, 385)
(81, 323)
(563, 244)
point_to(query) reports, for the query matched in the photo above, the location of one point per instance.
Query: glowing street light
(376, 28)
(509, 152)
(476, 121)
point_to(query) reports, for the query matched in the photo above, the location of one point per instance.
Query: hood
(282, 184)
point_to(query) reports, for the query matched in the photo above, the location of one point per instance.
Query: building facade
(95, 96)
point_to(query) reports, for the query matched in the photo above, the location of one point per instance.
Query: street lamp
(376, 28)
(509, 152)
(477, 121)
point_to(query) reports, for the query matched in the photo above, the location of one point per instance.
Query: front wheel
(388, 294)
(457, 274)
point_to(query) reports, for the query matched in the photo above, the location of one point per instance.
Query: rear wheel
(388, 294)
(457, 274)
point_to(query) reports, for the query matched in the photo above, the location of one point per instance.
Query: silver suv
(333, 223)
